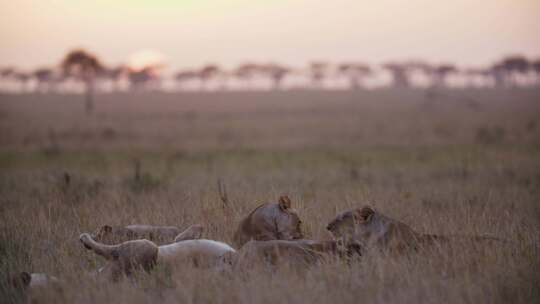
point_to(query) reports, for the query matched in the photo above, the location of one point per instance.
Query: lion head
(346, 224)
(288, 223)
(369, 228)
(270, 221)
(103, 233)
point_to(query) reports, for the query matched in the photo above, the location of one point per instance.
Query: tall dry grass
(466, 162)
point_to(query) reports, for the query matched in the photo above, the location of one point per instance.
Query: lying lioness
(297, 254)
(143, 254)
(158, 234)
(372, 229)
(270, 221)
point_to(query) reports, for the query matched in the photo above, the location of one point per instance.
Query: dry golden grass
(462, 162)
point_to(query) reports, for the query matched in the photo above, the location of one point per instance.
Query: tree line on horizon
(85, 68)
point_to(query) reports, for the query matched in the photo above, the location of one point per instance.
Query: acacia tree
(144, 79)
(85, 67)
(246, 72)
(115, 74)
(400, 74)
(506, 72)
(22, 78)
(7, 72)
(276, 73)
(44, 77)
(184, 76)
(472, 75)
(355, 72)
(440, 74)
(318, 71)
(535, 66)
(208, 72)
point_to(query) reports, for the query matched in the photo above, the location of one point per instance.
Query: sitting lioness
(158, 234)
(270, 221)
(143, 254)
(372, 229)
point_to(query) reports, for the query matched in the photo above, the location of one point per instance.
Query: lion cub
(128, 256)
(157, 234)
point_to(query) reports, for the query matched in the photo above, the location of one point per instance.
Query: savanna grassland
(447, 162)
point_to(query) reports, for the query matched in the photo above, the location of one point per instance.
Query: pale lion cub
(158, 234)
(143, 254)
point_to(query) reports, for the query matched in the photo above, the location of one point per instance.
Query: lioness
(372, 229)
(158, 234)
(270, 221)
(297, 254)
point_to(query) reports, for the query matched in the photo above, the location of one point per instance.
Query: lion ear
(340, 243)
(284, 202)
(26, 278)
(364, 214)
(194, 232)
(106, 228)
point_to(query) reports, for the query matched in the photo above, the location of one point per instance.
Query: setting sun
(146, 59)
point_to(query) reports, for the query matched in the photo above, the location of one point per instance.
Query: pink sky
(193, 32)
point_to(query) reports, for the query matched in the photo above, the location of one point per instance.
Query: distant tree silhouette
(22, 78)
(535, 66)
(10, 73)
(83, 66)
(400, 74)
(45, 79)
(144, 79)
(440, 73)
(7, 72)
(318, 71)
(508, 70)
(186, 75)
(472, 74)
(246, 72)
(114, 75)
(355, 72)
(499, 75)
(208, 72)
(275, 72)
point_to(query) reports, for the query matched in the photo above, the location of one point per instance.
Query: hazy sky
(193, 32)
